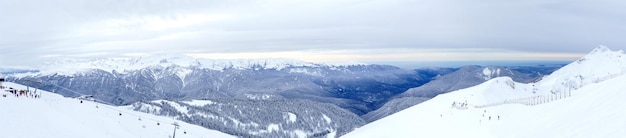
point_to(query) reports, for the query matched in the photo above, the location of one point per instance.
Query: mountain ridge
(586, 88)
(70, 67)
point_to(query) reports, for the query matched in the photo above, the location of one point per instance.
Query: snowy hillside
(53, 115)
(464, 77)
(583, 99)
(259, 118)
(600, 64)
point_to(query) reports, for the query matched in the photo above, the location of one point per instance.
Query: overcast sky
(36, 31)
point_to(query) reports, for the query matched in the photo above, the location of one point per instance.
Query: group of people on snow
(460, 105)
(489, 116)
(20, 93)
(485, 114)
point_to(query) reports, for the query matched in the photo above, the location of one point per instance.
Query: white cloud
(399, 55)
(338, 30)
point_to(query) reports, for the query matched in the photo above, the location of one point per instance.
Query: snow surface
(53, 115)
(489, 73)
(273, 127)
(300, 134)
(258, 96)
(583, 99)
(599, 65)
(177, 106)
(291, 117)
(305, 71)
(199, 102)
(327, 119)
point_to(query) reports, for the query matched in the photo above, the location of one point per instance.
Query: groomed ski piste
(55, 116)
(583, 99)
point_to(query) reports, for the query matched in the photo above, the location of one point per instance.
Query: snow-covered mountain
(461, 78)
(340, 93)
(346, 90)
(69, 67)
(582, 99)
(53, 115)
(125, 81)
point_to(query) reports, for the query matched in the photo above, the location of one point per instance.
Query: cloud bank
(36, 31)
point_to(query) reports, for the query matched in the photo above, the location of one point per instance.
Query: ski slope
(583, 99)
(54, 116)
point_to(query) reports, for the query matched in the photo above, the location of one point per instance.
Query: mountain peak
(600, 49)
(601, 63)
(70, 67)
(602, 53)
(595, 79)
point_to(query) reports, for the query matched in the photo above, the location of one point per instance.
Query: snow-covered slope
(600, 64)
(259, 118)
(583, 99)
(53, 116)
(464, 77)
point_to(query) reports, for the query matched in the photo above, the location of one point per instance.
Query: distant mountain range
(341, 92)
